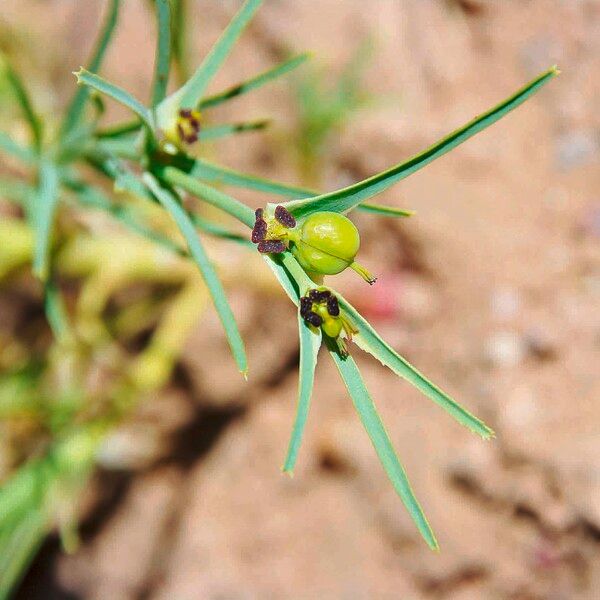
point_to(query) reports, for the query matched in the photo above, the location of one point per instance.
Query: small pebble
(540, 345)
(504, 349)
(521, 410)
(576, 149)
(505, 303)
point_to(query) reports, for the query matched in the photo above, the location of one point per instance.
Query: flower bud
(272, 234)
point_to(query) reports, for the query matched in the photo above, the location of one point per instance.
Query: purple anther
(271, 247)
(284, 217)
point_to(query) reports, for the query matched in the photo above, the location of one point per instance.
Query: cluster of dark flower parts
(260, 230)
(321, 308)
(188, 125)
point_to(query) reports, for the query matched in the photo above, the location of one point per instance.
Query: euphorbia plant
(303, 241)
(303, 238)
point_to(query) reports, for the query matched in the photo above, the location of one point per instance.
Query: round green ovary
(332, 326)
(327, 244)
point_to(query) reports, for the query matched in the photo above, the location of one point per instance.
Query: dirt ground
(492, 290)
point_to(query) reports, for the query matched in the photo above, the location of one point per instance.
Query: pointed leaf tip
(381, 442)
(370, 341)
(310, 343)
(172, 204)
(345, 199)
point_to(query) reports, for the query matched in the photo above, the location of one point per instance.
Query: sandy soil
(492, 290)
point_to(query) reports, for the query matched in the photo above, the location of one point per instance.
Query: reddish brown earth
(492, 290)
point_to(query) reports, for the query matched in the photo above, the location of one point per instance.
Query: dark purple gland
(188, 128)
(271, 247)
(284, 217)
(319, 296)
(314, 319)
(333, 308)
(305, 306)
(259, 231)
(259, 213)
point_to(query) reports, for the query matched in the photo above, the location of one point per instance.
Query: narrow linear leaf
(124, 146)
(194, 89)
(310, 342)
(74, 143)
(209, 194)
(185, 225)
(163, 51)
(130, 218)
(347, 198)
(24, 101)
(180, 38)
(290, 274)
(217, 230)
(381, 441)
(124, 179)
(370, 341)
(386, 211)
(94, 198)
(293, 279)
(296, 272)
(218, 131)
(43, 216)
(113, 91)
(202, 169)
(288, 283)
(119, 129)
(75, 110)
(222, 175)
(126, 182)
(255, 82)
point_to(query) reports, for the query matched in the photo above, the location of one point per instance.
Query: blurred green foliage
(325, 104)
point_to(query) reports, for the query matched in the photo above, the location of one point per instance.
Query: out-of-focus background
(492, 290)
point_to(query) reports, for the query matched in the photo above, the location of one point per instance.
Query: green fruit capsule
(327, 243)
